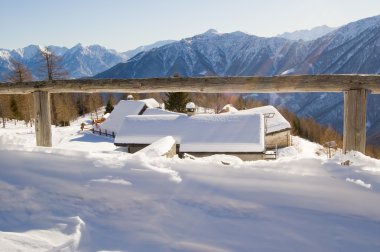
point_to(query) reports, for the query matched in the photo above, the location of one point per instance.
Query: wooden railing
(103, 133)
(355, 87)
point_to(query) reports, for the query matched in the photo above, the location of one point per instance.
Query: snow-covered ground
(85, 194)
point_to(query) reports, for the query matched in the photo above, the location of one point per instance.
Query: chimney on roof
(190, 108)
(130, 98)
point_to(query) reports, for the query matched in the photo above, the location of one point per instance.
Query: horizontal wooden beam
(275, 84)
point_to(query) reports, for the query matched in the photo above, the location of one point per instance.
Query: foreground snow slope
(84, 194)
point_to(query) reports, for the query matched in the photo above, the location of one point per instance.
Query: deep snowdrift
(85, 194)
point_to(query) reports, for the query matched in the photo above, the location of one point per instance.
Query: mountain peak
(79, 45)
(29, 51)
(211, 32)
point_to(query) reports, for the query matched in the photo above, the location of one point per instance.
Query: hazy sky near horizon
(127, 24)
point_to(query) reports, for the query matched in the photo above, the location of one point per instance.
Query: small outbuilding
(277, 128)
(241, 135)
(125, 108)
(229, 108)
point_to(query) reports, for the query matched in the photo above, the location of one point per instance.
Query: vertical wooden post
(43, 118)
(354, 132)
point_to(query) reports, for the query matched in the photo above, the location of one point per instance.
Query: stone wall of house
(281, 139)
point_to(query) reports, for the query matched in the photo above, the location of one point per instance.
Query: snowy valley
(85, 194)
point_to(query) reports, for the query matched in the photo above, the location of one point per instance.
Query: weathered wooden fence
(103, 133)
(355, 87)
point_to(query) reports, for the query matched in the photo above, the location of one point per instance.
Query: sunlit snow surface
(85, 194)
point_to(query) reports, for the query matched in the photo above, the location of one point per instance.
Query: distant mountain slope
(85, 60)
(79, 61)
(209, 53)
(307, 35)
(351, 49)
(131, 53)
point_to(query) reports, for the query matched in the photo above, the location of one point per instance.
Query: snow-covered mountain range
(353, 48)
(308, 35)
(79, 61)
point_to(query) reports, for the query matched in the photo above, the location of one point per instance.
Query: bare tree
(64, 109)
(19, 73)
(51, 68)
(95, 101)
(26, 108)
(21, 106)
(51, 65)
(240, 102)
(5, 111)
(214, 101)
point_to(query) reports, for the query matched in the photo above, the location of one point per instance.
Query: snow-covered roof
(275, 124)
(157, 111)
(151, 103)
(200, 133)
(130, 97)
(190, 105)
(229, 108)
(125, 108)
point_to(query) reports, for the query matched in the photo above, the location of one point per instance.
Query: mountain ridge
(350, 49)
(308, 34)
(80, 61)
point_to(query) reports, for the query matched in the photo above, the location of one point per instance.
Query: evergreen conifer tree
(14, 108)
(176, 101)
(110, 103)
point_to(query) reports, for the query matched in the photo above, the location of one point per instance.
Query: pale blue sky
(126, 24)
